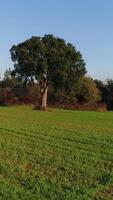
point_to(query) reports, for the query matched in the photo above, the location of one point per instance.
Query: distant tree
(47, 59)
(106, 89)
(103, 90)
(9, 80)
(88, 91)
(109, 86)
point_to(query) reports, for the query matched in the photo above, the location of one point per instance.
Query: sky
(88, 24)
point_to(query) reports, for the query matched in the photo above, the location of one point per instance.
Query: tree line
(48, 70)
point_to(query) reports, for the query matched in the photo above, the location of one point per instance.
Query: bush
(99, 107)
(7, 97)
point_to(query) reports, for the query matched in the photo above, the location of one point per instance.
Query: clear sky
(88, 24)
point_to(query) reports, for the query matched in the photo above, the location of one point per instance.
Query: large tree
(47, 59)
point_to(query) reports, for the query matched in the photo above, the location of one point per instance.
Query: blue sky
(88, 24)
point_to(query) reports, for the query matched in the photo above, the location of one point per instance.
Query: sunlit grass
(55, 155)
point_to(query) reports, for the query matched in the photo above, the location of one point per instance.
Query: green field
(55, 155)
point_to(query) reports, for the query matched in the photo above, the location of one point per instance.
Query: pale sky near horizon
(87, 24)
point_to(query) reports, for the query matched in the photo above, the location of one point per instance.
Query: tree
(88, 91)
(103, 90)
(9, 80)
(106, 89)
(47, 59)
(109, 86)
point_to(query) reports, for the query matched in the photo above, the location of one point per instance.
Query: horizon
(87, 25)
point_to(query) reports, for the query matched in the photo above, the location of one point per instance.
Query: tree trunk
(44, 99)
(43, 92)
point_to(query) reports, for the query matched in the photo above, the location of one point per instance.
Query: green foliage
(106, 90)
(103, 90)
(49, 60)
(9, 81)
(47, 56)
(110, 93)
(55, 155)
(88, 91)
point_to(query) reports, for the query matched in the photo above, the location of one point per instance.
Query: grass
(57, 155)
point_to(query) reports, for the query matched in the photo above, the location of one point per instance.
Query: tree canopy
(47, 59)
